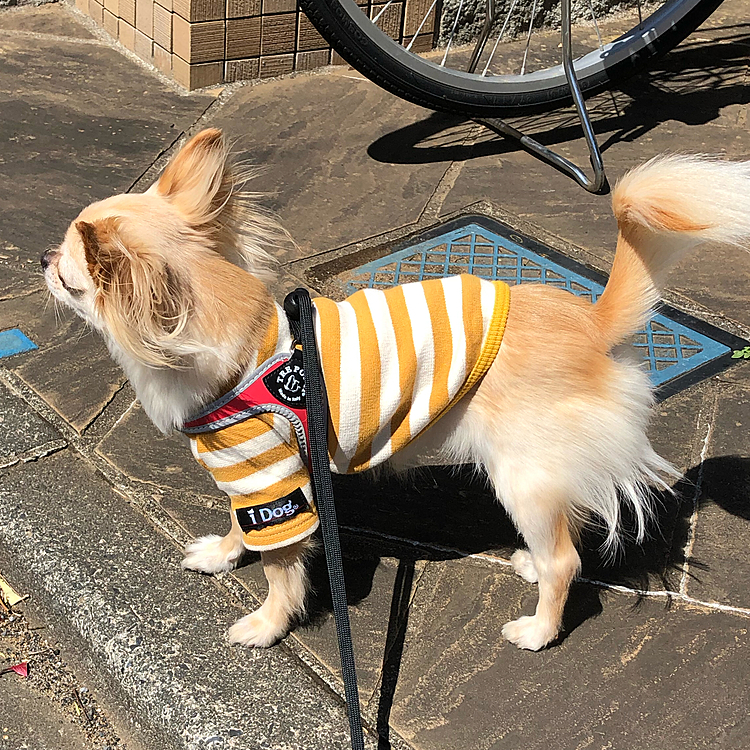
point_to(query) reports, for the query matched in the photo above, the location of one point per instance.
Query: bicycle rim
(426, 79)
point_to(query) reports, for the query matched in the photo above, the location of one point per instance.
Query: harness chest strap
(277, 386)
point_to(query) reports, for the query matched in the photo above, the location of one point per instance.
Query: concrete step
(149, 636)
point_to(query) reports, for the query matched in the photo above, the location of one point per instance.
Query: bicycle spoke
(614, 103)
(528, 38)
(424, 20)
(499, 37)
(382, 10)
(596, 25)
(453, 32)
(640, 14)
(489, 20)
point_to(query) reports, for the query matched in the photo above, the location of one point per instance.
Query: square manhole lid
(678, 349)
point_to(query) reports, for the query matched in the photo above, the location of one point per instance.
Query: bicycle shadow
(690, 85)
(446, 514)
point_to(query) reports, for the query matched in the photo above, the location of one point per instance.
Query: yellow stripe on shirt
(234, 435)
(407, 360)
(443, 345)
(369, 357)
(328, 321)
(245, 469)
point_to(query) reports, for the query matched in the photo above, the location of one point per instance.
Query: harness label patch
(287, 383)
(258, 517)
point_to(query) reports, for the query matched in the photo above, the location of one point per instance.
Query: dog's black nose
(44, 260)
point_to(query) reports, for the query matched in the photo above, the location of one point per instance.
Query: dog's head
(160, 274)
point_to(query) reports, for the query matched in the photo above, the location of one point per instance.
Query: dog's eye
(72, 291)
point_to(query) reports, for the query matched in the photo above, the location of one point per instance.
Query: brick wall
(207, 42)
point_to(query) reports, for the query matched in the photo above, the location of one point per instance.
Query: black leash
(298, 308)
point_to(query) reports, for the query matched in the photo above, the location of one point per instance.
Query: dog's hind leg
(553, 560)
(215, 554)
(286, 572)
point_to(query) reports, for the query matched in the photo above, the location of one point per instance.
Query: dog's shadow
(443, 514)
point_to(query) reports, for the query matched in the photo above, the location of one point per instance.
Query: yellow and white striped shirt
(393, 362)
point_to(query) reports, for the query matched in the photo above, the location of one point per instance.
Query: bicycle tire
(385, 62)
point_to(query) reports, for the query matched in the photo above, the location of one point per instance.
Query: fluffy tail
(664, 208)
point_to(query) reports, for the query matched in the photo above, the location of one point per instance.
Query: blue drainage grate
(14, 342)
(673, 350)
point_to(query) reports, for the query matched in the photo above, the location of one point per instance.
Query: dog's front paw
(531, 633)
(211, 554)
(256, 630)
(524, 565)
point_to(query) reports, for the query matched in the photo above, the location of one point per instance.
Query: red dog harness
(277, 386)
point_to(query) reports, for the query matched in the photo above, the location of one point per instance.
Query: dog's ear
(198, 180)
(142, 303)
(101, 253)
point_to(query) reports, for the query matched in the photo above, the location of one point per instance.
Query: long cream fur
(174, 281)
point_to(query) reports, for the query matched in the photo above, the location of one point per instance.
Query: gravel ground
(50, 708)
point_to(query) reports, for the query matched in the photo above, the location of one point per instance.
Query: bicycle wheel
(473, 87)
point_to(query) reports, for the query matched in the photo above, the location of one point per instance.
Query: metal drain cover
(678, 349)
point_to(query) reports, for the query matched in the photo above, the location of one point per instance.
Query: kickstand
(598, 184)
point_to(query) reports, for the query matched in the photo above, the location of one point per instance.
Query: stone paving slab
(23, 433)
(139, 450)
(77, 378)
(697, 274)
(720, 565)
(72, 368)
(311, 135)
(81, 134)
(153, 634)
(14, 282)
(635, 675)
(372, 579)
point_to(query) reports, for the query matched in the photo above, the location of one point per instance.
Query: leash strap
(298, 308)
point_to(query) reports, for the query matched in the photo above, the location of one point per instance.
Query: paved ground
(94, 505)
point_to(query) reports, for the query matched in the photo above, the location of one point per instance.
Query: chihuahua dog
(175, 278)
